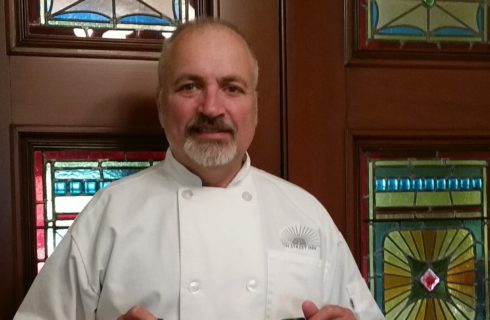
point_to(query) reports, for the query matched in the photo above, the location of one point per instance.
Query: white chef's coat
(254, 250)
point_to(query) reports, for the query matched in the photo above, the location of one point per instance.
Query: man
(203, 235)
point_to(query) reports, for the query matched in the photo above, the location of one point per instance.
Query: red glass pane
(40, 215)
(84, 155)
(66, 216)
(40, 266)
(145, 155)
(38, 177)
(41, 249)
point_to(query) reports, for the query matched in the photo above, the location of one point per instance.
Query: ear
(160, 106)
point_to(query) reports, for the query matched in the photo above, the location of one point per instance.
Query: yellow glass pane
(467, 278)
(394, 306)
(419, 244)
(421, 313)
(391, 281)
(391, 269)
(468, 254)
(447, 312)
(398, 239)
(414, 309)
(463, 15)
(429, 237)
(440, 235)
(388, 257)
(467, 290)
(430, 312)
(447, 241)
(416, 18)
(468, 302)
(407, 237)
(465, 266)
(392, 10)
(393, 248)
(393, 293)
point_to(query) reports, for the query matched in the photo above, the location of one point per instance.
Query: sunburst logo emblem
(300, 237)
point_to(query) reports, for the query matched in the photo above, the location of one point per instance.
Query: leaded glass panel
(116, 18)
(64, 183)
(426, 226)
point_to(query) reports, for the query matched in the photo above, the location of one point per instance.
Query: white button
(246, 196)
(252, 285)
(187, 194)
(194, 287)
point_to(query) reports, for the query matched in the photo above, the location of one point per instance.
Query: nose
(211, 103)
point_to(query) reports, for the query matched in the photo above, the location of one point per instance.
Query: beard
(210, 153)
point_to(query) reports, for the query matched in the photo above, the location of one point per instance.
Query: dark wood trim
(25, 39)
(283, 87)
(26, 140)
(424, 58)
(410, 143)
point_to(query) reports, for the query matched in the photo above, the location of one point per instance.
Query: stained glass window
(433, 23)
(115, 19)
(426, 226)
(65, 181)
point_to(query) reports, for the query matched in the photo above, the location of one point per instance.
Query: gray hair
(201, 23)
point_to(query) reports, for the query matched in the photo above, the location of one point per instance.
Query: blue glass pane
(90, 187)
(59, 188)
(476, 184)
(75, 187)
(453, 32)
(82, 17)
(464, 184)
(392, 184)
(374, 14)
(380, 185)
(453, 184)
(479, 18)
(81, 174)
(441, 184)
(401, 31)
(405, 184)
(104, 184)
(118, 173)
(141, 19)
(429, 184)
(417, 184)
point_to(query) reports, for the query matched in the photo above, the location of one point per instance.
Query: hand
(137, 313)
(328, 312)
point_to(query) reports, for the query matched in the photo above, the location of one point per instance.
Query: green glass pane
(125, 164)
(433, 199)
(408, 239)
(392, 172)
(466, 198)
(388, 257)
(76, 164)
(394, 199)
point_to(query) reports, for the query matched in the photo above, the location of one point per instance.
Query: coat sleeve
(61, 290)
(347, 286)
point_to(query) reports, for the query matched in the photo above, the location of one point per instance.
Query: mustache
(203, 123)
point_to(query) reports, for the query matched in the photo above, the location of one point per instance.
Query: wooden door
(61, 94)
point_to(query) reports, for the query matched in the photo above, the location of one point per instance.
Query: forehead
(214, 47)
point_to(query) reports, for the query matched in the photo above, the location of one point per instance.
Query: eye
(187, 87)
(233, 89)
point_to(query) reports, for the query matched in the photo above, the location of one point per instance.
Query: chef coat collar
(187, 178)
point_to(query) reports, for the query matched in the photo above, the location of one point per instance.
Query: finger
(137, 313)
(332, 312)
(309, 309)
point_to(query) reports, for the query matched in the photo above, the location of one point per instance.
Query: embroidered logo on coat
(300, 237)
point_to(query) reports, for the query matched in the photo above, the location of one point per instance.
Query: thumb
(309, 309)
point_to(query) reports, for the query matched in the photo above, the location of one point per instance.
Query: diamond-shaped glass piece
(429, 280)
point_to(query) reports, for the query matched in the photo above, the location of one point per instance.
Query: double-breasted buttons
(194, 287)
(247, 196)
(252, 285)
(187, 194)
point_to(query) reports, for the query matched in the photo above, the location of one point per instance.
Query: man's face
(208, 103)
